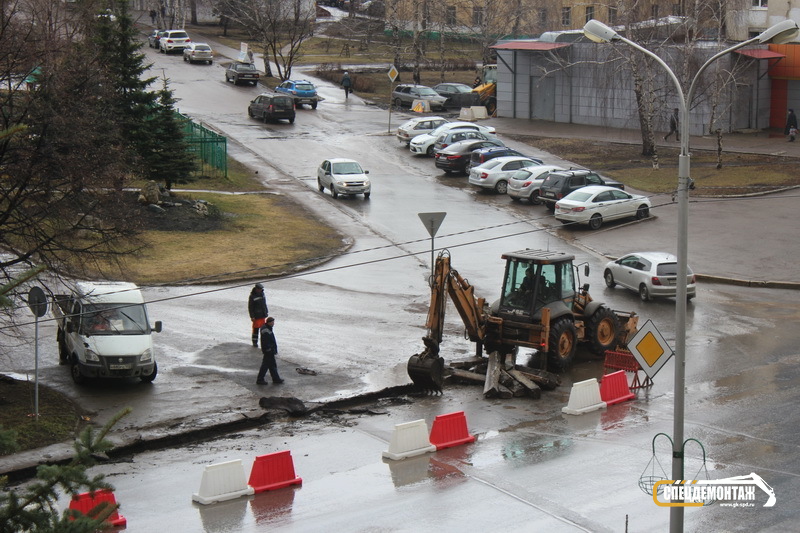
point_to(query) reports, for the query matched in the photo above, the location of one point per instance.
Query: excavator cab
(532, 283)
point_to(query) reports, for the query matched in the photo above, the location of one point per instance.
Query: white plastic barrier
(584, 398)
(479, 112)
(408, 440)
(221, 482)
(466, 113)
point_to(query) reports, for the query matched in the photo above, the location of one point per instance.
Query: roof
(542, 256)
(109, 291)
(536, 46)
(760, 53)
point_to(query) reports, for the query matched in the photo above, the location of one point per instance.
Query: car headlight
(366, 182)
(92, 356)
(146, 356)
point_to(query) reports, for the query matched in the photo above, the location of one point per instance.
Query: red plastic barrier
(273, 471)
(450, 430)
(614, 388)
(86, 502)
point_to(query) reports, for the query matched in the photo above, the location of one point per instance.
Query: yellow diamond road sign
(393, 73)
(650, 349)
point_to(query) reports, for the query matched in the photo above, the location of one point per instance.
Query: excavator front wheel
(426, 372)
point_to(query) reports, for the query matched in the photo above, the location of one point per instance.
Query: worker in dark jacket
(257, 306)
(269, 347)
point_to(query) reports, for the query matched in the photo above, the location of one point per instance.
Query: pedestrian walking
(153, 15)
(269, 347)
(791, 126)
(673, 126)
(257, 307)
(347, 84)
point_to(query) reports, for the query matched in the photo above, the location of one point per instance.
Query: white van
(104, 331)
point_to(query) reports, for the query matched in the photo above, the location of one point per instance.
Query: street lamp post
(780, 33)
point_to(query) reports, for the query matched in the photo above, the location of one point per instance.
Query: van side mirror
(586, 270)
(157, 327)
(366, 172)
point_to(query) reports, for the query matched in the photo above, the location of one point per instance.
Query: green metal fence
(210, 148)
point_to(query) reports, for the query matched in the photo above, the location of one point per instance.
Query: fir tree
(170, 160)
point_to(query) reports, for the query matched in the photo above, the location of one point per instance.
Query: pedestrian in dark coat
(791, 125)
(347, 84)
(153, 16)
(673, 126)
(269, 347)
(257, 307)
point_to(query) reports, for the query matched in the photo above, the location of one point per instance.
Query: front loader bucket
(426, 372)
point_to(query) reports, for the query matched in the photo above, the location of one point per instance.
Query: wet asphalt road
(531, 468)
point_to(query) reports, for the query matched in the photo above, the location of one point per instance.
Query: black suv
(483, 155)
(559, 184)
(272, 107)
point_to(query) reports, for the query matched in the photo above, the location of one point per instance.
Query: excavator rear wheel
(603, 328)
(562, 343)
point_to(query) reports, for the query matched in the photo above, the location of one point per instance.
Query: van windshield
(115, 319)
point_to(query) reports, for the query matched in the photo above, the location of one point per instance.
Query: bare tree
(279, 26)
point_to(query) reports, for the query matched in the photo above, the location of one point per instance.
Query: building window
(759, 3)
(566, 16)
(677, 10)
(477, 16)
(612, 15)
(450, 15)
(543, 17)
(654, 11)
(589, 13)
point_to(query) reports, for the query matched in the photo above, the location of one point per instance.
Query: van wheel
(366, 196)
(63, 353)
(75, 370)
(150, 377)
(314, 105)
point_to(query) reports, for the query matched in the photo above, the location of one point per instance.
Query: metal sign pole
(37, 302)
(392, 76)
(432, 221)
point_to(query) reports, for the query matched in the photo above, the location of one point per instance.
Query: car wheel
(314, 105)
(642, 212)
(334, 192)
(398, 103)
(185, 58)
(291, 120)
(366, 196)
(429, 151)
(596, 221)
(514, 199)
(150, 377)
(644, 294)
(210, 61)
(551, 207)
(609, 277)
(534, 198)
(250, 112)
(63, 351)
(264, 118)
(320, 186)
(501, 187)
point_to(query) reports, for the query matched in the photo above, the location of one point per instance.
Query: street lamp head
(599, 32)
(780, 33)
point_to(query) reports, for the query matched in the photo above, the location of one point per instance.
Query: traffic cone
(86, 502)
(584, 397)
(273, 471)
(450, 430)
(614, 388)
(222, 482)
(408, 440)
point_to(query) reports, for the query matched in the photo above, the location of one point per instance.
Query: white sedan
(418, 126)
(595, 204)
(424, 144)
(495, 173)
(343, 176)
(650, 274)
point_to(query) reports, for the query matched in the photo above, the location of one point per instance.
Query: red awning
(529, 45)
(760, 53)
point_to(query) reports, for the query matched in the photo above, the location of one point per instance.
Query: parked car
(525, 182)
(423, 144)
(302, 91)
(480, 157)
(197, 52)
(173, 41)
(495, 173)
(455, 157)
(651, 274)
(153, 37)
(453, 136)
(343, 176)
(457, 95)
(404, 95)
(272, 106)
(417, 126)
(595, 204)
(557, 185)
(242, 72)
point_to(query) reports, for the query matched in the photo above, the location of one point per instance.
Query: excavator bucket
(426, 369)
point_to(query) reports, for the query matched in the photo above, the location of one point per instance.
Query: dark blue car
(302, 91)
(485, 154)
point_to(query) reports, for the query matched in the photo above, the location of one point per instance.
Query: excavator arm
(426, 369)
